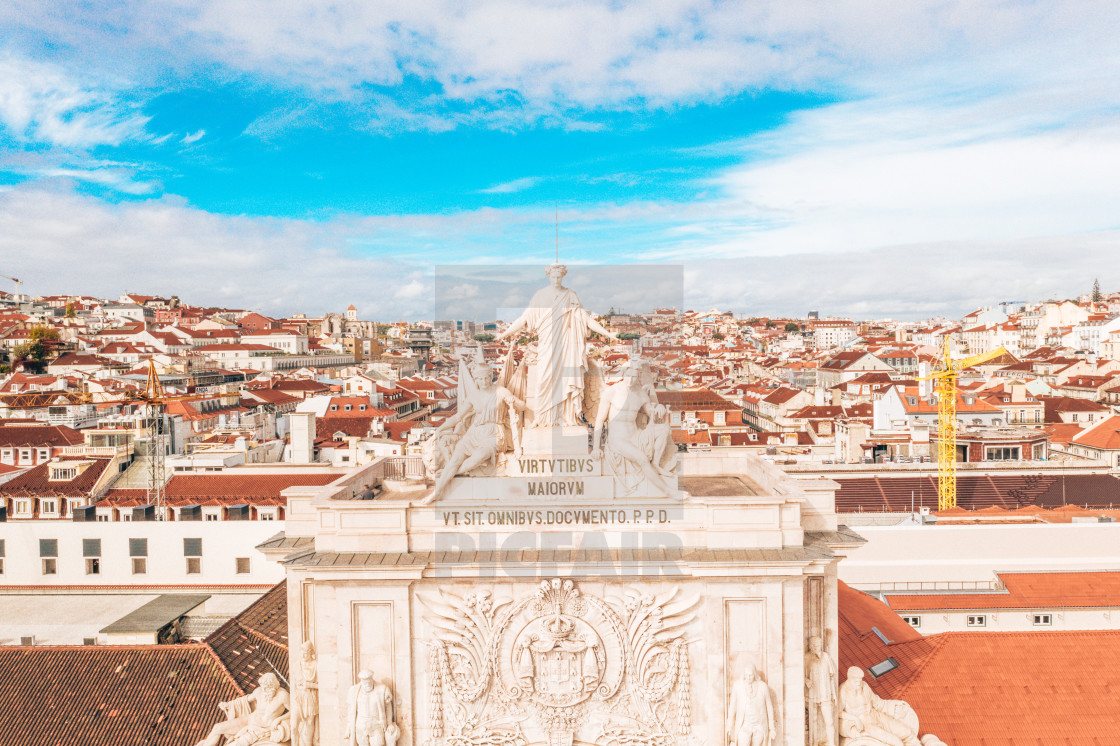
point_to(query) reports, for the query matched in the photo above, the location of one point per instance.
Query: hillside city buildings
(159, 461)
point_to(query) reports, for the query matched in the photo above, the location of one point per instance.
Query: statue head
(269, 683)
(365, 679)
(855, 673)
(556, 273)
(750, 674)
(815, 645)
(308, 650)
(482, 373)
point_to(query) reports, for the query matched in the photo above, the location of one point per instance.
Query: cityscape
(569, 374)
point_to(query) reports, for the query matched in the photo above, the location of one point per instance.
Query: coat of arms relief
(559, 668)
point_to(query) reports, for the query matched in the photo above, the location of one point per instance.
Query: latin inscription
(556, 466)
(575, 516)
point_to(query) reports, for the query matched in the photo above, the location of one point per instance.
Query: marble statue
(259, 718)
(370, 716)
(868, 720)
(480, 426)
(750, 714)
(305, 699)
(820, 694)
(639, 439)
(561, 325)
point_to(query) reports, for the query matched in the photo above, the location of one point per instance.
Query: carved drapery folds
(556, 660)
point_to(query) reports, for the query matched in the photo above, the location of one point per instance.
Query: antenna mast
(557, 234)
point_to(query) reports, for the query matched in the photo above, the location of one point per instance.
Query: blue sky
(864, 158)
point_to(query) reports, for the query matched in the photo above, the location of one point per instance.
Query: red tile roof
(1042, 590)
(17, 434)
(35, 482)
(255, 642)
(221, 489)
(1016, 688)
(1104, 435)
(112, 694)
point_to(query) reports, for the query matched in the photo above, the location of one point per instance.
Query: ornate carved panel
(559, 667)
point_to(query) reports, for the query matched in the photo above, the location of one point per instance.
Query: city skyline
(872, 162)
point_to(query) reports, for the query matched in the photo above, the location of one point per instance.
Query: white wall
(1015, 620)
(942, 554)
(222, 543)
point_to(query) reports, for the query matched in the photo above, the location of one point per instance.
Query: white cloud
(41, 103)
(509, 187)
(536, 60)
(194, 137)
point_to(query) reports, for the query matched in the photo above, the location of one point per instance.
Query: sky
(861, 158)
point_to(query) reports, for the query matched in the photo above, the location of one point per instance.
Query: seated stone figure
(868, 720)
(260, 718)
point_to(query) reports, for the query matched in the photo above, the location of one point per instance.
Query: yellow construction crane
(945, 379)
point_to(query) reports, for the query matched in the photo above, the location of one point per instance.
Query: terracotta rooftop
(894, 494)
(255, 642)
(221, 489)
(1043, 590)
(112, 694)
(22, 433)
(35, 482)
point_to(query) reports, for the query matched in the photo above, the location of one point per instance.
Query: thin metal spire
(557, 234)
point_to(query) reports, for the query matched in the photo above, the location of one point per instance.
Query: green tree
(718, 336)
(483, 337)
(70, 311)
(1097, 295)
(628, 335)
(792, 327)
(770, 324)
(35, 351)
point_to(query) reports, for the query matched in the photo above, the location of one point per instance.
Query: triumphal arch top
(551, 572)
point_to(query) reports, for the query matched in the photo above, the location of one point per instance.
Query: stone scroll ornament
(557, 663)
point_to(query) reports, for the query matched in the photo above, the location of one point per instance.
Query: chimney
(302, 437)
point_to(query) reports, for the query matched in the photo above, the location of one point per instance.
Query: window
(242, 565)
(50, 566)
(194, 565)
(1037, 416)
(334, 407)
(1043, 620)
(89, 640)
(44, 454)
(720, 418)
(63, 475)
(93, 565)
(211, 516)
(102, 517)
(1075, 416)
(1010, 453)
(976, 620)
(192, 547)
(48, 506)
(23, 506)
(913, 621)
(48, 547)
(25, 455)
(1, 556)
(139, 565)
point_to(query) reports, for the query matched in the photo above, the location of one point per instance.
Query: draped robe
(560, 322)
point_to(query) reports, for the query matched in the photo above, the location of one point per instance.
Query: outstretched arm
(595, 326)
(516, 326)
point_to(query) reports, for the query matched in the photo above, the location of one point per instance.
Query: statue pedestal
(496, 616)
(556, 442)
